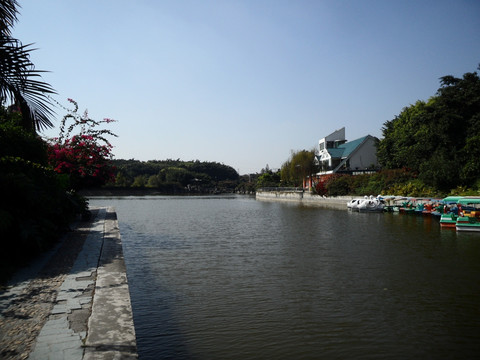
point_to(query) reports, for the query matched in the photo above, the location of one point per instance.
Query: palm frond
(21, 84)
(8, 15)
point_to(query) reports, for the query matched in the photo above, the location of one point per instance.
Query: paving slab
(111, 333)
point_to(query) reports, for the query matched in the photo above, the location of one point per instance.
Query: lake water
(229, 277)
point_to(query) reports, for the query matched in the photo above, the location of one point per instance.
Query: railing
(350, 171)
(358, 171)
(285, 189)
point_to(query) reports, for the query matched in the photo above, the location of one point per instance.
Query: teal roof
(346, 149)
(336, 152)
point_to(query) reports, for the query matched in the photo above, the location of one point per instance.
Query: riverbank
(145, 191)
(73, 302)
(299, 196)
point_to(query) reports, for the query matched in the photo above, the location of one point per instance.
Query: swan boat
(367, 204)
(371, 205)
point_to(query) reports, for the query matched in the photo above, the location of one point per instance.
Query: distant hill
(175, 175)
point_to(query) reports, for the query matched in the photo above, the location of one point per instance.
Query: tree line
(438, 139)
(175, 176)
(432, 148)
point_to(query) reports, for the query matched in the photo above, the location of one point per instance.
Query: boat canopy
(452, 199)
(469, 200)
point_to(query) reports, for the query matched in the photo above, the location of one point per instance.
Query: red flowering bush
(325, 185)
(84, 157)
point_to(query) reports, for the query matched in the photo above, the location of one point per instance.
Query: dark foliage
(438, 139)
(35, 206)
(177, 175)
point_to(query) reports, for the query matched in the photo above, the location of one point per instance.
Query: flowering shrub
(86, 156)
(323, 182)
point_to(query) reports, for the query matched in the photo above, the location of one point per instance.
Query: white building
(336, 154)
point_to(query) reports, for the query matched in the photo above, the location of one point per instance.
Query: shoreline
(144, 192)
(305, 198)
(292, 196)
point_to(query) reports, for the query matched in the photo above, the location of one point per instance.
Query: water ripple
(232, 278)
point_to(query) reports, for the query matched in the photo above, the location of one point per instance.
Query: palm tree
(20, 84)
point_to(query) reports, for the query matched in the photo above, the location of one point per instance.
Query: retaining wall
(301, 197)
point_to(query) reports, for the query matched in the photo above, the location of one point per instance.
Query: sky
(244, 83)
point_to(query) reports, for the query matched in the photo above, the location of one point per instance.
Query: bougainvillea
(324, 181)
(84, 157)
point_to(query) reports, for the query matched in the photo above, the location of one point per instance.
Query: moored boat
(430, 207)
(399, 202)
(468, 214)
(371, 205)
(449, 211)
(390, 202)
(420, 205)
(438, 208)
(408, 207)
(448, 220)
(353, 204)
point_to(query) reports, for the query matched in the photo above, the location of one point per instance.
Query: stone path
(73, 303)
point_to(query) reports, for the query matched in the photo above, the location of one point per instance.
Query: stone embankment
(74, 302)
(304, 197)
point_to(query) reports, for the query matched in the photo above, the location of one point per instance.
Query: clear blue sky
(245, 82)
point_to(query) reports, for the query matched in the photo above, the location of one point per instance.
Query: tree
(20, 84)
(268, 179)
(140, 181)
(178, 175)
(121, 180)
(300, 165)
(438, 139)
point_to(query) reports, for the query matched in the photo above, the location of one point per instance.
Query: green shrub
(16, 141)
(35, 206)
(395, 182)
(413, 188)
(339, 186)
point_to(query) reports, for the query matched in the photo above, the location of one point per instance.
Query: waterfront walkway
(73, 302)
